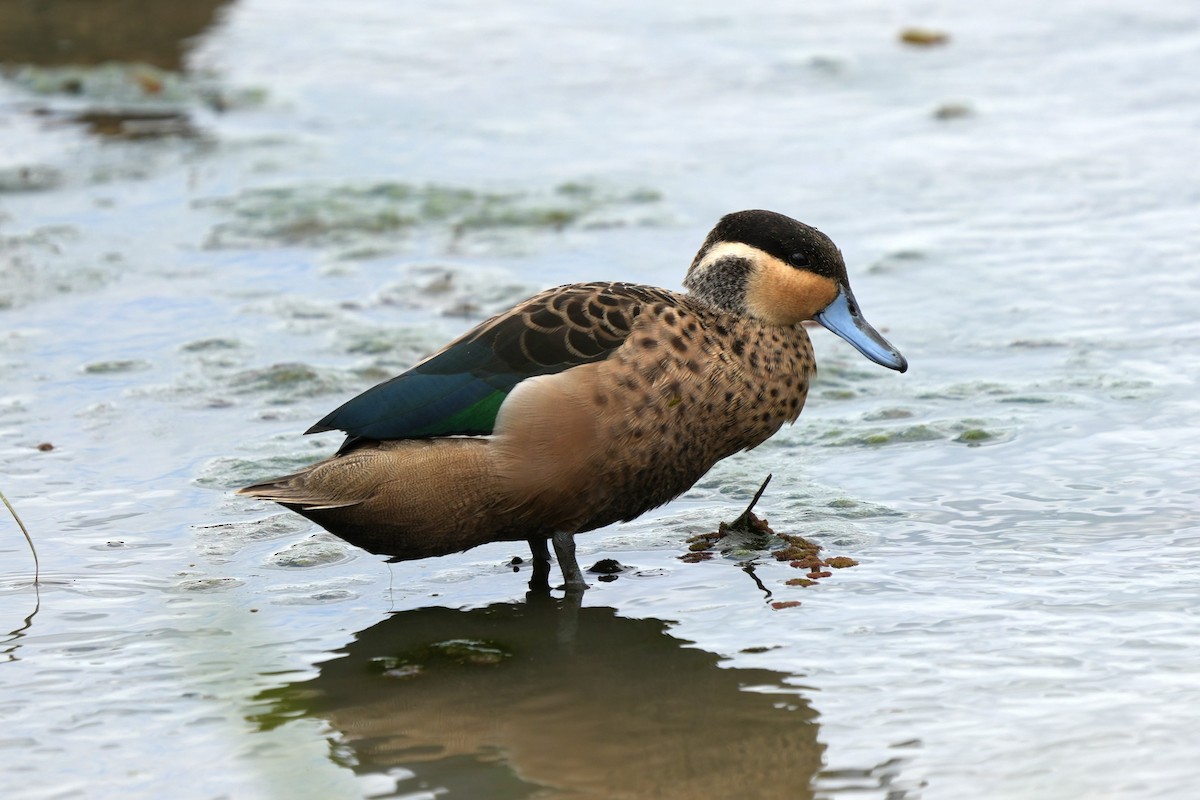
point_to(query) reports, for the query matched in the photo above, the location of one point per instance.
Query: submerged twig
(743, 523)
(28, 538)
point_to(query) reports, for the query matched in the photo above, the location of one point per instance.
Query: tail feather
(407, 498)
(297, 490)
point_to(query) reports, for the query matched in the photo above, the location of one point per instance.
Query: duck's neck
(719, 279)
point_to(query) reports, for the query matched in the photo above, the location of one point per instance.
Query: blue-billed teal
(585, 405)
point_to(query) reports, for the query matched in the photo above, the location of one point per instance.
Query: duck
(586, 405)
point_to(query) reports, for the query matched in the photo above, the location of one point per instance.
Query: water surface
(208, 243)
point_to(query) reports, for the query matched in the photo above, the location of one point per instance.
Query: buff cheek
(779, 294)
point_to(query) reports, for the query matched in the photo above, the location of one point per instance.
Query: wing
(459, 390)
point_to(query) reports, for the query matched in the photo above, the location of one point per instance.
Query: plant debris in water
(750, 531)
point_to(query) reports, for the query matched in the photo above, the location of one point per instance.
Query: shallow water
(195, 265)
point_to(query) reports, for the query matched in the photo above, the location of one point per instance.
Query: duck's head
(765, 265)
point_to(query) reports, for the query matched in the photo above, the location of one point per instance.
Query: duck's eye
(800, 260)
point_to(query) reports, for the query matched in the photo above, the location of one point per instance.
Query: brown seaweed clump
(752, 531)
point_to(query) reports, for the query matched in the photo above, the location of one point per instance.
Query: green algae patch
(976, 433)
(287, 382)
(116, 366)
(381, 217)
(211, 345)
(971, 432)
(881, 437)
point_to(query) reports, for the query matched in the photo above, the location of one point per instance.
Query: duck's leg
(564, 548)
(540, 581)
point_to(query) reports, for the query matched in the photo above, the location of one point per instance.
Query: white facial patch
(733, 250)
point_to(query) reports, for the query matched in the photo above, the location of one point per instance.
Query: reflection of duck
(587, 404)
(492, 702)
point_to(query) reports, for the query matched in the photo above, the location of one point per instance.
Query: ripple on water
(318, 592)
(206, 585)
(33, 268)
(232, 473)
(227, 539)
(319, 550)
(453, 291)
(1023, 616)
